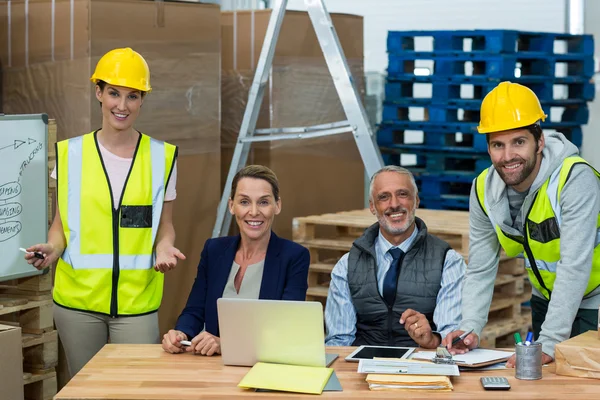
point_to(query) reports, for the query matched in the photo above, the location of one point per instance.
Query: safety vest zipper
(116, 213)
(114, 302)
(530, 257)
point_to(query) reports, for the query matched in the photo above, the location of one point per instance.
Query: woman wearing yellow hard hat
(541, 201)
(112, 236)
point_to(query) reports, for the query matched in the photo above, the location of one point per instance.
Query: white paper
(405, 368)
(379, 386)
(476, 356)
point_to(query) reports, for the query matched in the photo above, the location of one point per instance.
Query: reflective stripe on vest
(543, 223)
(107, 266)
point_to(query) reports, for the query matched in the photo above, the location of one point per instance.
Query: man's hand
(171, 342)
(546, 359)
(205, 344)
(470, 342)
(418, 329)
(166, 258)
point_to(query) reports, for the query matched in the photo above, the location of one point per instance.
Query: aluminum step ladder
(357, 121)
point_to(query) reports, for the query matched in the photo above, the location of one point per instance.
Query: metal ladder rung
(290, 136)
(348, 94)
(303, 129)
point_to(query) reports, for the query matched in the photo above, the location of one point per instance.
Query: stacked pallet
(435, 85)
(329, 236)
(27, 303)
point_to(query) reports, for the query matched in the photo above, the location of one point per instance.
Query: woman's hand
(167, 257)
(48, 250)
(171, 342)
(205, 344)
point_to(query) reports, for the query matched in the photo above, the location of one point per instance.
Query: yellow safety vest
(541, 243)
(107, 266)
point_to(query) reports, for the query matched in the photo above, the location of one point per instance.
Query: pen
(517, 336)
(35, 253)
(529, 338)
(461, 337)
(186, 343)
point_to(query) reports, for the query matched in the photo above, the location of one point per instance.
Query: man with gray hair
(398, 285)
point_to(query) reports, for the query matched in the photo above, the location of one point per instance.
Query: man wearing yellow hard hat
(541, 200)
(112, 237)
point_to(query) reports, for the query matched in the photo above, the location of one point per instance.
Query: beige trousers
(83, 334)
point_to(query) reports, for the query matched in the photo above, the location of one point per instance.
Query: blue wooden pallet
(469, 141)
(463, 116)
(433, 139)
(445, 202)
(450, 92)
(491, 66)
(574, 135)
(437, 185)
(437, 162)
(480, 79)
(431, 112)
(491, 41)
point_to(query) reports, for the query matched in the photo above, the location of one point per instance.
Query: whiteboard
(23, 190)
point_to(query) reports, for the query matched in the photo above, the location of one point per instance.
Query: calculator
(495, 383)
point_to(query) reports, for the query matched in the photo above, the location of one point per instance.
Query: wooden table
(147, 372)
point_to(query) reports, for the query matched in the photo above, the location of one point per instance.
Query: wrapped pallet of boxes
(316, 175)
(579, 356)
(54, 48)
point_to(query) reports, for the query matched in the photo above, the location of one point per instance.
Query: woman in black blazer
(254, 264)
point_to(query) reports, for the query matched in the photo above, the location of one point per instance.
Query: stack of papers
(286, 378)
(416, 376)
(410, 383)
(406, 367)
(473, 359)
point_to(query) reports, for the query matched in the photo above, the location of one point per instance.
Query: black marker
(35, 254)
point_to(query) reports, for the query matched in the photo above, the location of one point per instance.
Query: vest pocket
(136, 217)
(544, 232)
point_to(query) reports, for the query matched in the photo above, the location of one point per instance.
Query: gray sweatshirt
(580, 205)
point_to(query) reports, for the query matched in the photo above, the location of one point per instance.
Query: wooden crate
(27, 303)
(496, 332)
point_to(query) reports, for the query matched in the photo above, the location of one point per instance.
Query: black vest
(418, 285)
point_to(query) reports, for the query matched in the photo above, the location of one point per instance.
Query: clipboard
(491, 357)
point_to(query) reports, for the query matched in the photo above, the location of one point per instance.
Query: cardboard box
(11, 367)
(316, 175)
(48, 70)
(579, 356)
(180, 42)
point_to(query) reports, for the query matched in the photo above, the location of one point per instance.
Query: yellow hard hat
(509, 106)
(123, 67)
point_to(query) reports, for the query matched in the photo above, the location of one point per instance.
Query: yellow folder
(286, 378)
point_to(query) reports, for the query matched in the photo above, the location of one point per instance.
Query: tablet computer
(370, 352)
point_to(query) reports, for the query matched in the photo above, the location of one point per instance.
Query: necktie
(391, 277)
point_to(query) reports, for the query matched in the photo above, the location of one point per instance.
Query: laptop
(273, 331)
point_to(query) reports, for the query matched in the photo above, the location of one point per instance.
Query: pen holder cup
(529, 361)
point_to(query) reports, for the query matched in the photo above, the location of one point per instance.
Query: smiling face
(120, 106)
(394, 202)
(517, 156)
(254, 207)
